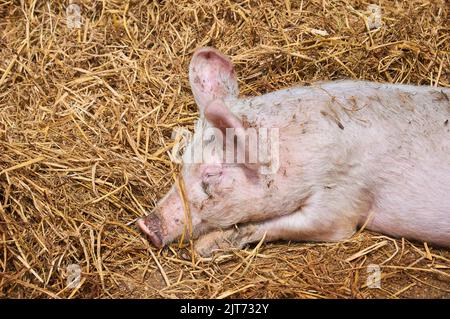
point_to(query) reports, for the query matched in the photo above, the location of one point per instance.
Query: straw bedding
(86, 117)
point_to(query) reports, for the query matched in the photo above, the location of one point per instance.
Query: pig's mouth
(151, 226)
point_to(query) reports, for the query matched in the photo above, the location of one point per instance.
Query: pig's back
(353, 101)
(405, 133)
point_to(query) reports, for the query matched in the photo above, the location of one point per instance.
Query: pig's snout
(151, 226)
(166, 222)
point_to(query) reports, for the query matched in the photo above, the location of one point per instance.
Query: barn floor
(86, 117)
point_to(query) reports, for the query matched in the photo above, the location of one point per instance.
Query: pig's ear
(219, 116)
(212, 76)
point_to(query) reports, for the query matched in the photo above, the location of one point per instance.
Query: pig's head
(219, 195)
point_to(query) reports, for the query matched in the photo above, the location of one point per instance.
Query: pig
(351, 154)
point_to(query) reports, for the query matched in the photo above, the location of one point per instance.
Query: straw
(86, 119)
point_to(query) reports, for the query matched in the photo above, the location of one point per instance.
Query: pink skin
(164, 224)
(350, 152)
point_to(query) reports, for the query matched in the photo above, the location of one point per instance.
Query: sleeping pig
(348, 154)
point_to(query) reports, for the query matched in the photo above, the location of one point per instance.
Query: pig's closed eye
(209, 180)
(205, 188)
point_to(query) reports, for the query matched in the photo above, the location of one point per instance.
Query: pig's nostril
(150, 226)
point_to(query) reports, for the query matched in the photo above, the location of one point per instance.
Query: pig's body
(385, 145)
(350, 153)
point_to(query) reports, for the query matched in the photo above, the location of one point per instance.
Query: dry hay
(86, 118)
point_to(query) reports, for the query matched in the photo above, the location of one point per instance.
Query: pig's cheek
(200, 204)
(206, 210)
(201, 229)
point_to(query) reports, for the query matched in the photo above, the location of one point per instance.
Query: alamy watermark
(73, 16)
(254, 147)
(374, 276)
(73, 280)
(374, 18)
